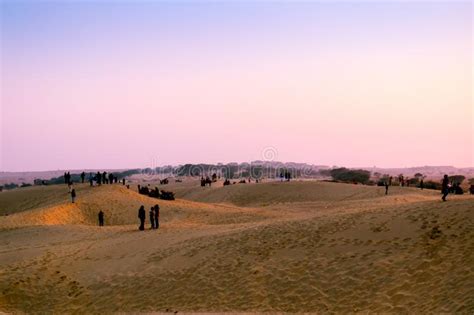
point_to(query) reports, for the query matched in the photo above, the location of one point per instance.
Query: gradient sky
(122, 85)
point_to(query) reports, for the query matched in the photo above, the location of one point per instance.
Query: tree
(457, 179)
(350, 176)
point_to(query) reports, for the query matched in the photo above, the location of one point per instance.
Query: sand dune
(119, 204)
(289, 247)
(264, 194)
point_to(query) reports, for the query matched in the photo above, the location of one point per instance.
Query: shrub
(350, 176)
(11, 186)
(432, 185)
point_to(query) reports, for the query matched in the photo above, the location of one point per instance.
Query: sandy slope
(296, 247)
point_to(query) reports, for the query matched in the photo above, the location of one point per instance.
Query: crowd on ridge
(154, 213)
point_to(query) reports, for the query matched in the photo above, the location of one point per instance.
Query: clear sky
(92, 84)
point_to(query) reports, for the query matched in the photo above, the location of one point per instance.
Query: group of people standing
(103, 178)
(99, 178)
(154, 214)
(402, 181)
(445, 186)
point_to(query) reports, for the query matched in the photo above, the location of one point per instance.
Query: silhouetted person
(141, 216)
(422, 185)
(123, 181)
(386, 188)
(101, 218)
(104, 178)
(67, 178)
(157, 216)
(83, 176)
(111, 178)
(152, 218)
(99, 178)
(445, 187)
(139, 188)
(73, 195)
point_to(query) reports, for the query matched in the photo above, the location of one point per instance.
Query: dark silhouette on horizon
(142, 216)
(445, 187)
(73, 195)
(101, 218)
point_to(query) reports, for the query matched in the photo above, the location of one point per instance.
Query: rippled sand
(289, 247)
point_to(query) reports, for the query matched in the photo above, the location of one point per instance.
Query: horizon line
(227, 163)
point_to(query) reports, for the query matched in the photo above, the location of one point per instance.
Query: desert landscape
(236, 157)
(300, 246)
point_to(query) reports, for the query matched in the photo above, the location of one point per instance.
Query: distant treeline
(346, 175)
(246, 170)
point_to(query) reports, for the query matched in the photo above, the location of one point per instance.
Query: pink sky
(120, 86)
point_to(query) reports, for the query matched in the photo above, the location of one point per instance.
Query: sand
(268, 247)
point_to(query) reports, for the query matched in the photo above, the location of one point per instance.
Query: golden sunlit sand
(292, 247)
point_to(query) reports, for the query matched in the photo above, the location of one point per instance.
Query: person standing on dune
(152, 218)
(157, 216)
(83, 176)
(73, 195)
(386, 187)
(445, 187)
(101, 218)
(141, 216)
